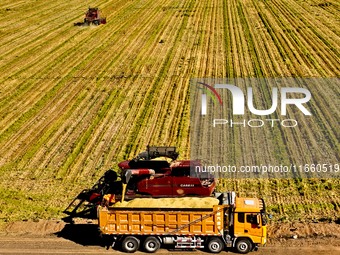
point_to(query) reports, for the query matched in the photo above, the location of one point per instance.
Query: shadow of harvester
(83, 234)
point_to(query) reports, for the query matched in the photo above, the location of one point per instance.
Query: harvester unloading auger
(92, 16)
(143, 177)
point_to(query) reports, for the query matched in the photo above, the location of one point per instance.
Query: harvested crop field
(75, 101)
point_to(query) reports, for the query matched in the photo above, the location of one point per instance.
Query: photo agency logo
(265, 127)
(219, 94)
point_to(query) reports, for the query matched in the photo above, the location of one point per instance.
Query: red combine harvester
(144, 177)
(92, 16)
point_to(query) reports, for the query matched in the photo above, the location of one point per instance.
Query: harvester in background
(92, 16)
(155, 172)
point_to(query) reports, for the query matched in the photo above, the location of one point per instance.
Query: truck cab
(247, 225)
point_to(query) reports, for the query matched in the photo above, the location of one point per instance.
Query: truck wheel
(151, 244)
(130, 244)
(243, 246)
(215, 245)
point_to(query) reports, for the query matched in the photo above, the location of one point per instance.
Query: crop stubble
(76, 101)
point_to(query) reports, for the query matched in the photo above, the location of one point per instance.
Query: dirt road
(58, 245)
(56, 237)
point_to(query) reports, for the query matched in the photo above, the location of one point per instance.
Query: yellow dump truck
(234, 223)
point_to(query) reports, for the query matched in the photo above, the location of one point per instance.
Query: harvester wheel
(130, 244)
(151, 244)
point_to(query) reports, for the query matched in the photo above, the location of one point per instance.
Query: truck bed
(161, 221)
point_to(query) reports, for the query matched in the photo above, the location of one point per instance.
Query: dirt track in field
(59, 245)
(56, 237)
